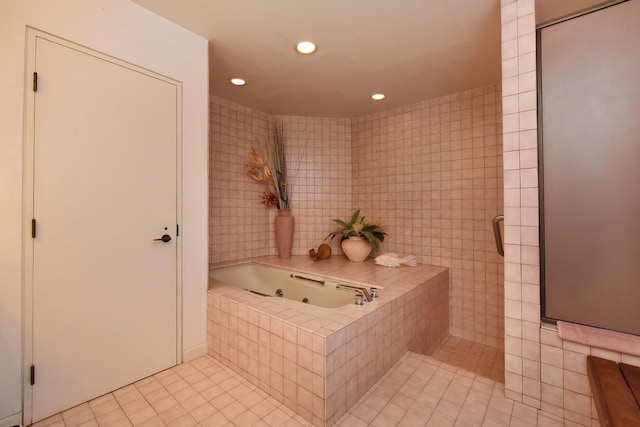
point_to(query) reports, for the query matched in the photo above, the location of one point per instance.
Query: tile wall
(541, 370)
(320, 156)
(522, 292)
(432, 171)
(237, 223)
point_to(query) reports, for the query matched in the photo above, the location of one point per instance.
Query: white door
(104, 297)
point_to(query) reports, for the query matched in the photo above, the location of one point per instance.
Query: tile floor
(481, 359)
(418, 391)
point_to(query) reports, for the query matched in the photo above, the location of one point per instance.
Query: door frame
(32, 34)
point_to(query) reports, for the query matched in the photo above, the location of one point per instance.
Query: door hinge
(33, 228)
(35, 81)
(177, 230)
(33, 375)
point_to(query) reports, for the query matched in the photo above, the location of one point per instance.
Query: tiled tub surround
(431, 171)
(320, 366)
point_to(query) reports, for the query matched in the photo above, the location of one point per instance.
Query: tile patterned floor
(417, 391)
(482, 359)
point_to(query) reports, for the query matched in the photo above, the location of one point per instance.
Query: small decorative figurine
(324, 252)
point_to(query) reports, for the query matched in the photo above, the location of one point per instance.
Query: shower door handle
(496, 233)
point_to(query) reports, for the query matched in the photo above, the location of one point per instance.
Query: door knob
(165, 238)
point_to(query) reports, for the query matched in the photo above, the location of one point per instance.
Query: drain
(279, 293)
(305, 300)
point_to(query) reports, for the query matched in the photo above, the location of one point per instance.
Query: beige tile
(364, 412)
(104, 406)
(135, 406)
(350, 420)
(77, 415)
(215, 420)
(577, 382)
(167, 377)
(155, 421)
(52, 420)
(263, 408)
(101, 400)
(276, 417)
(142, 416)
(177, 385)
(212, 392)
(172, 414)
(440, 419)
(193, 402)
(233, 410)
(148, 385)
(549, 421)
(123, 422)
(468, 418)
(245, 419)
(184, 394)
(382, 420)
(576, 402)
(124, 390)
(185, 420)
(550, 355)
(90, 423)
(164, 404)
(393, 412)
(117, 416)
(195, 378)
(230, 382)
(222, 400)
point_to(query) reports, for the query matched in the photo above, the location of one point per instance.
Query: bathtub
(318, 360)
(301, 291)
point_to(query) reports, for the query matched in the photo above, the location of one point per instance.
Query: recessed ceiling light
(377, 96)
(236, 81)
(306, 48)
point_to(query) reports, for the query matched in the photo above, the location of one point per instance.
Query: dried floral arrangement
(269, 166)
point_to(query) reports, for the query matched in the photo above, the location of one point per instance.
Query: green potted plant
(358, 237)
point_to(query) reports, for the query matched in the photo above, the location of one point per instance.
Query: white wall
(129, 32)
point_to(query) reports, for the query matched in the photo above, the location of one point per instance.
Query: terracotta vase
(284, 226)
(356, 248)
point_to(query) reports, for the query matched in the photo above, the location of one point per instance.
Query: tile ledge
(600, 338)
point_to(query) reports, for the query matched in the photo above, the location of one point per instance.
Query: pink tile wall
(320, 150)
(323, 189)
(521, 271)
(432, 172)
(238, 225)
(541, 370)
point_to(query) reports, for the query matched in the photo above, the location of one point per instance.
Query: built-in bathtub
(320, 361)
(305, 292)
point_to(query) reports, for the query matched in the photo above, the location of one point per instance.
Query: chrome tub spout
(357, 289)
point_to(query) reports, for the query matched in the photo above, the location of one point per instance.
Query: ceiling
(410, 50)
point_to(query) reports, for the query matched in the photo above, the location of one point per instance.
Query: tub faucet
(357, 289)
